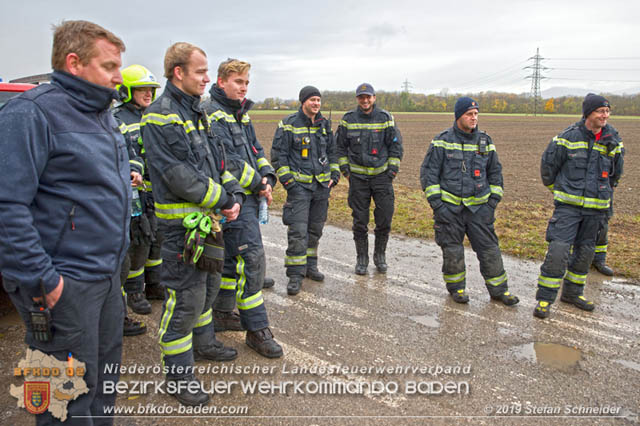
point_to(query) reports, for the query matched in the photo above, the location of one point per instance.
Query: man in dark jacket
(64, 209)
(304, 155)
(245, 263)
(462, 179)
(581, 166)
(187, 170)
(369, 153)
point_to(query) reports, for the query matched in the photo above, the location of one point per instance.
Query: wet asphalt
(395, 349)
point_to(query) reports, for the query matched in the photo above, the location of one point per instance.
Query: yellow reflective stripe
(299, 177)
(393, 161)
(146, 185)
(601, 249)
(139, 164)
(283, 171)
(177, 346)
(343, 160)
(617, 150)
(571, 145)
(298, 130)
(468, 201)
(496, 189)
(369, 171)
(263, 162)
(170, 304)
(497, 280)
(211, 198)
(205, 318)
(295, 260)
(248, 173)
(221, 115)
(150, 263)
(323, 177)
(575, 278)
(312, 252)
(549, 282)
(580, 201)
(227, 177)
(162, 120)
(432, 190)
(455, 278)
(135, 273)
(250, 302)
(228, 283)
(459, 147)
(550, 187)
(176, 211)
(126, 128)
(334, 167)
(367, 126)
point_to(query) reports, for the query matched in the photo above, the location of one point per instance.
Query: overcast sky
(462, 46)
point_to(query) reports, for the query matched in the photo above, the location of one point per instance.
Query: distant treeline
(489, 102)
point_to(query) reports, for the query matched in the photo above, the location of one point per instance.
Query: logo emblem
(363, 87)
(36, 397)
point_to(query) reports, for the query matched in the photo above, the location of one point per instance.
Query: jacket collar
(92, 97)
(189, 102)
(307, 121)
(236, 107)
(465, 135)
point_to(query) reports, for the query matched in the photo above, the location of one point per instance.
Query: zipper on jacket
(68, 224)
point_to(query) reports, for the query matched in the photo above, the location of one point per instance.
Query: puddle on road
(427, 320)
(629, 364)
(549, 354)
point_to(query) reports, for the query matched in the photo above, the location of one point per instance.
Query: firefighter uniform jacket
(462, 169)
(368, 144)
(245, 156)
(304, 151)
(186, 163)
(128, 118)
(581, 171)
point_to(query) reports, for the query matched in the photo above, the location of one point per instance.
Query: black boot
(187, 390)
(379, 253)
(262, 341)
(216, 352)
(312, 270)
(133, 327)
(362, 253)
(226, 321)
(573, 293)
(138, 303)
(268, 282)
(294, 285)
(603, 268)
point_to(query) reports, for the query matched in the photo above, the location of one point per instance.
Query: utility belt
(203, 242)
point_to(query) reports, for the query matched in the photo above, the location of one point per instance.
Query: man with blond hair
(190, 184)
(245, 264)
(65, 231)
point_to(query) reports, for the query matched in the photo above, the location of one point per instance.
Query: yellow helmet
(135, 76)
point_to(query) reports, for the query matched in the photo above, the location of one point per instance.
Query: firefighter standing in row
(581, 166)
(462, 180)
(245, 263)
(142, 265)
(186, 166)
(369, 153)
(304, 155)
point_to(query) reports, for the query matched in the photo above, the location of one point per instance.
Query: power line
(595, 69)
(596, 79)
(618, 58)
(536, 76)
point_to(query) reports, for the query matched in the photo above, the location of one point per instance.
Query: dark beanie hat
(592, 102)
(308, 91)
(463, 105)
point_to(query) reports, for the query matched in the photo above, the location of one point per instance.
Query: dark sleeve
(618, 165)
(393, 139)
(26, 143)
(494, 175)
(168, 148)
(430, 175)
(280, 156)
(333, 155)
(342, 147)
(552, 160)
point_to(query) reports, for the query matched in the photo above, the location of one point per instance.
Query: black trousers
(361, 191)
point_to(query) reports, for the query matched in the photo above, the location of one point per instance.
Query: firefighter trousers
(244, 268)
(450, 228)
(186, 322)
(361, 191)
(305, 213)
(568, 226)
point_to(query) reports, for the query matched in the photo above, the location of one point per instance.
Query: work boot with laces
(216, 352)
(226, 321)
(133, 327)
(262, 341)
(138, 303)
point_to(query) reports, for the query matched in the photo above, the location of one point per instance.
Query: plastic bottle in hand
(263, 211)
(136, 204)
